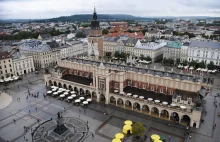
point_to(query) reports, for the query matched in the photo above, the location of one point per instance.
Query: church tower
(95, 39)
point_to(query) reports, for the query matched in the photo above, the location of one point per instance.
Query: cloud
(31, 9)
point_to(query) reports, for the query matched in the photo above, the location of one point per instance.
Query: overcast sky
(35, 9)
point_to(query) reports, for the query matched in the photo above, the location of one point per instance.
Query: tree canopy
(80, 35)
(104, 31)
(138, 129)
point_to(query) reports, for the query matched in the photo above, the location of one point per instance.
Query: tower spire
(94, 8)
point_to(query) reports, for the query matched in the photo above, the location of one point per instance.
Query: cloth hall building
(160, 94)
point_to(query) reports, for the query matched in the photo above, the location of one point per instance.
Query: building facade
(23, 64)
(6, 65)
(206, 51)
(43, 55)
(184, 52)
(172, 50)
(111, 83)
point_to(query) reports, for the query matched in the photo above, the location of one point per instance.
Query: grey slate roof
(35, 46)
(136, 69)
(111, 39)
(204, 44)
(44, 36)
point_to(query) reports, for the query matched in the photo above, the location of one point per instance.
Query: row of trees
(80, 35)
(193, 63)
(121, 55)
(27, 35)
(148, 58)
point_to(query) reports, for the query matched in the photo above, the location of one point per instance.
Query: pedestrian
(29, 111)
(92, 135)
(84, 110)
(64, 108)
(24, 137)
(14, 120)
(24, 127)
(190, 136)
(215, 125)
(26, 140)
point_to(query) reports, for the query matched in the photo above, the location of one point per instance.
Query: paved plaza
(101, 128)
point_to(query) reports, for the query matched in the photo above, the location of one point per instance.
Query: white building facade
(6, 66)
(23, 64)
(206, 51)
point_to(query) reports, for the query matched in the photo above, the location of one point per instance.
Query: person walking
(36, 109)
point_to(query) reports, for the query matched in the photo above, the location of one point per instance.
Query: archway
(55, 83)
(112, 100)
(155, 111)
(120, 102)
(76, 90)
(50, 83)
(94, 96)
(194, 124)
(185, 120)
(60, 85)
(81, 91)
(145, 109)
(175, 117)
(136, 106)
(64, 86)
(88, 94)
(70, 88)
(128, 104)
(102, 98)
(164, 114)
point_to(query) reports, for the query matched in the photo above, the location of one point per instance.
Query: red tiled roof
(4, 55)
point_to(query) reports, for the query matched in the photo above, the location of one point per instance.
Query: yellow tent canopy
(128, 122)
(119, 136)
(126, 128)
(158, 141)
(155, 137)
(116, 140)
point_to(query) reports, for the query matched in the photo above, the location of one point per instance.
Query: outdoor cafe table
(165, 103)
(173, 105)
(141, 97)
(72, 92)
(77, 101)
(89, 100)
(48, 92)
(54, 90)
(157, 101)
(62, 95)
(81, 98)
(70, 97)
(73, 95)
(53, 87)
(55, 93)
(135, 96)
(116, 91)
(67, 90)
(182, 107)
(85, 102)
(122, 93)
(129, 94)
(65, 93)
(150, 99)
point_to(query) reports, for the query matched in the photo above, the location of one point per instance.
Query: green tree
(138, 129)
(117, 54)
(142, 57)
(170, 61)
(193, 63)
(211, 66)
(201, 64)
(165, 61)
(104, 31)
(149, 58)
(178, 61)
(80, 35)
(185, 62)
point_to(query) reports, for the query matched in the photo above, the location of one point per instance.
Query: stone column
(149, 112)
(121, 81)
(141, 109)
(107, 88)
(169, 117)
(159, 114)
(98, 97)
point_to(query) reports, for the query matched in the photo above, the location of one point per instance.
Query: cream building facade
(6, 65)
(23, 64)
(110, 84)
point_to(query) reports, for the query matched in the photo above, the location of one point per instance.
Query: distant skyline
(41, 9)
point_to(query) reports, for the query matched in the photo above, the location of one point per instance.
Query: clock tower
(95, 39)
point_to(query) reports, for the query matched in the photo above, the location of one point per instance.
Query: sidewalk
(5, 100)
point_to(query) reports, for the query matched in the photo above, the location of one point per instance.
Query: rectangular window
(101, 84)
(116, 85)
